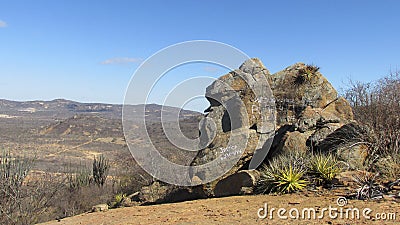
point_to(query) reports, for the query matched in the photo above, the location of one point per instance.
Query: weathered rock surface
(307, 111)
(296, 109)
(294, 141)
(310, 106)
(158, 192)
(239, 183)
(154, 193)
(293, 94)
(241, 110)
(349, 142)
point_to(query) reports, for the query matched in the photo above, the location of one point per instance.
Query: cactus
(101, 167)
(78, 177)
(13, 171)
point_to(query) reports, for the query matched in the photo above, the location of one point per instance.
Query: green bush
(118, 199)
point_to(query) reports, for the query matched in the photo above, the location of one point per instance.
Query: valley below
(61, 134)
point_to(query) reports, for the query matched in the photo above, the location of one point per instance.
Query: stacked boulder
(308, 110)
(307, 115)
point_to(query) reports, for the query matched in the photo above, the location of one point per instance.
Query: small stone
(100, 208)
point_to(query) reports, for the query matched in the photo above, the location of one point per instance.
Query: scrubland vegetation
(28, 198)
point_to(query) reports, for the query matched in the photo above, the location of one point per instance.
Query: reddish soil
(241, 210)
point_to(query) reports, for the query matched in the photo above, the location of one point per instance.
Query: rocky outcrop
(254, 116)
(307, 110)
(242, 114)
(309, 105)
(299, 86)
(100, 208)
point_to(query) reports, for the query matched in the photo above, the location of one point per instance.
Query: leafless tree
(377, 105)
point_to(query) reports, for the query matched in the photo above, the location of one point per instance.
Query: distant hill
(63, 109)
(61, 132)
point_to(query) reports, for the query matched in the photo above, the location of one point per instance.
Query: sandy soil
(242, 210)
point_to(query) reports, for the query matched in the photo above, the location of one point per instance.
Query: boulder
(350, 142)
(253, 114)
(293, 96)
(320, 134)
(305, 106)
(159, 192)
(100, 208)
(154, 193)
(310, 107)
(294, 141)
(239, 183)
(340, 108)
(355, 155)
(240, 120)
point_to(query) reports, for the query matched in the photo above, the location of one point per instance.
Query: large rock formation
(308, 109)
(296, 109)
(242, 114)
(308, 106)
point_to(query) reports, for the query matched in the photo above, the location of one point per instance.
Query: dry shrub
(377, 105)
(29, 198)
(77, 201)
(24, 199)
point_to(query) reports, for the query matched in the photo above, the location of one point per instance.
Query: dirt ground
(245, 210)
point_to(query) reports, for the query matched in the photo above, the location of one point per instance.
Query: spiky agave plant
(324, 166)
(290, 180)
(282, 175)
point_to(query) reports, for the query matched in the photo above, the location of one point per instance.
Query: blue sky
(88, 50)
